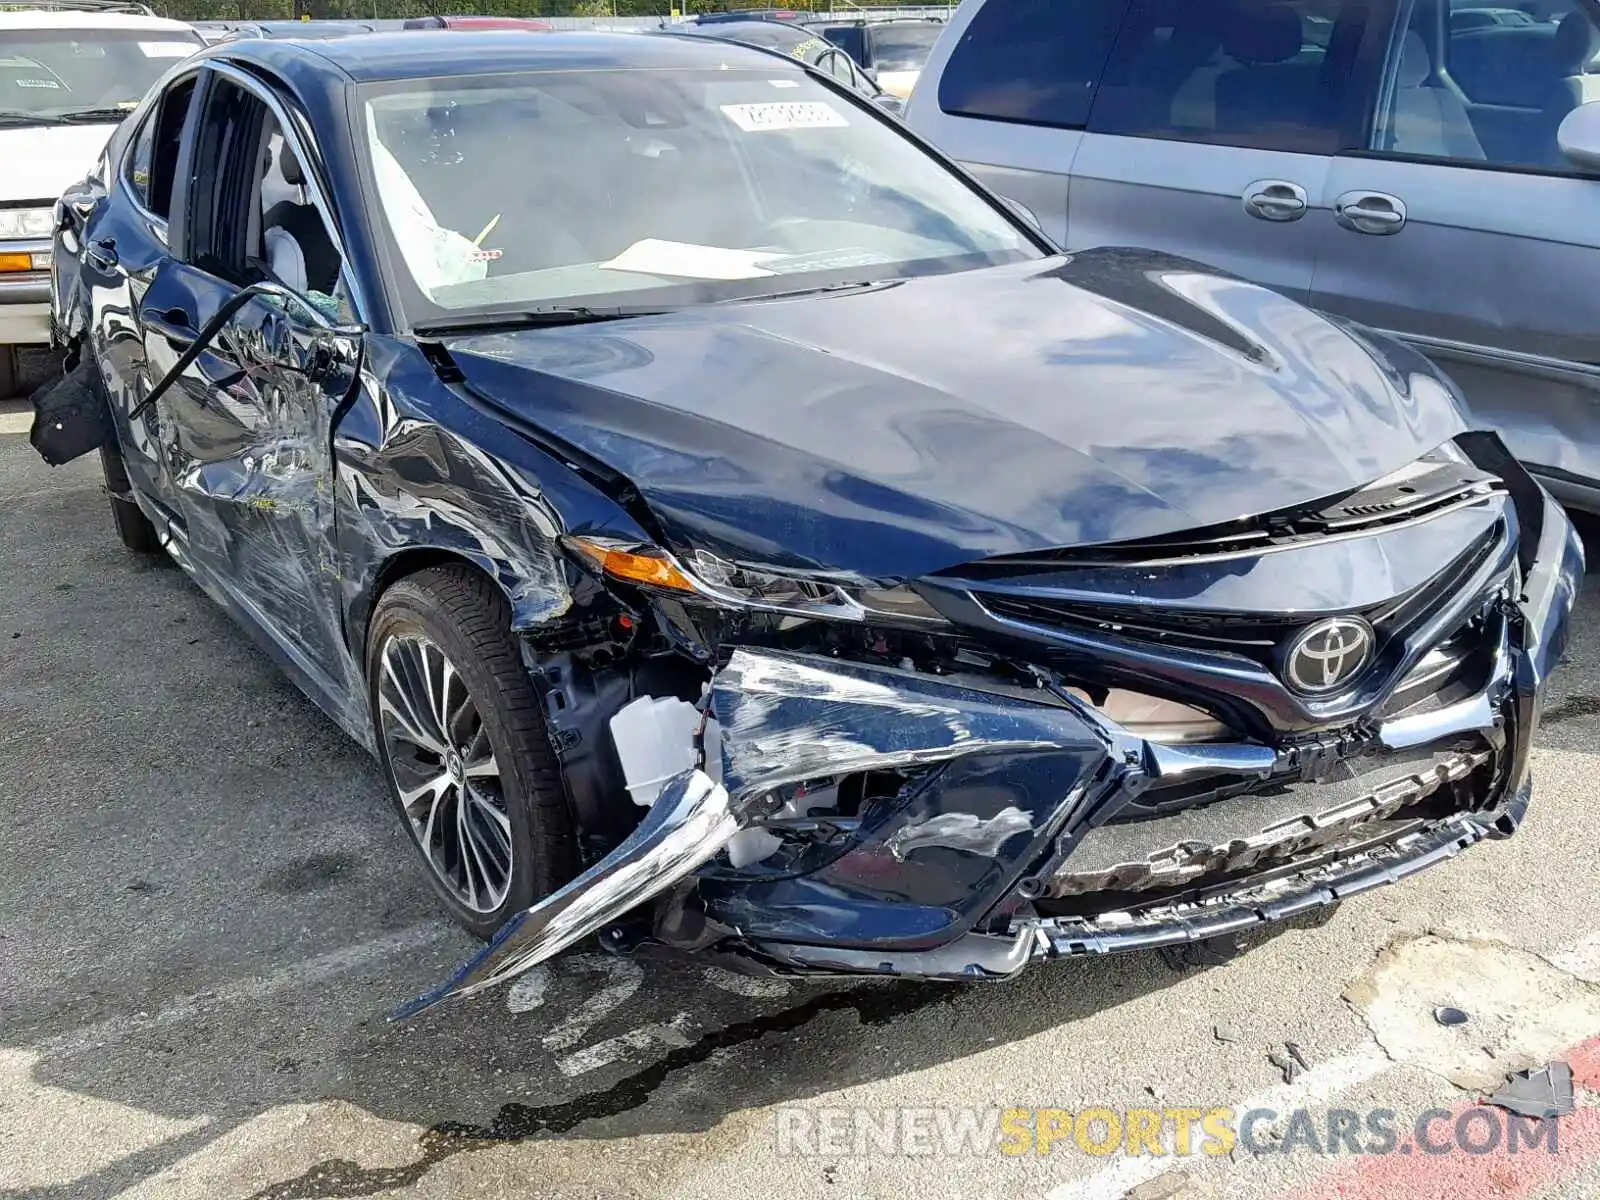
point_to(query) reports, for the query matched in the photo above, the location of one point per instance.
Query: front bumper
(999, 844)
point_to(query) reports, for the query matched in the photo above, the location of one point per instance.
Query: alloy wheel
(445, 771)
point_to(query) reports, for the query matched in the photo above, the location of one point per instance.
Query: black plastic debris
(1291, 1067)
(70, 416)
(1542, 1093)
(1450, 1017)
(1295, 1053)
(1206, 952)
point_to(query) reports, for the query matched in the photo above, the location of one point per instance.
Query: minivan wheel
(463, 744)
(134, 529)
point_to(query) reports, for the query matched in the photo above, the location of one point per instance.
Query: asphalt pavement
(209, 907)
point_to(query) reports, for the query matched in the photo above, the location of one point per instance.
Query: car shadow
(475, 1075)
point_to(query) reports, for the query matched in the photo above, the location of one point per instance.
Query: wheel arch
(403, 564)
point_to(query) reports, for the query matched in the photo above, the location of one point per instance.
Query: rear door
(268, 326)
(1459, 226)
(120, 247)
(1214, 127)
(1007, 92)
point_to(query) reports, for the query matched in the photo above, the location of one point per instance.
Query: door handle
(173, 324)
(1275, 200)
(102, 254)
(1370, 212)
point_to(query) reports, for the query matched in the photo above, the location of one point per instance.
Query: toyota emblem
(1324, 657)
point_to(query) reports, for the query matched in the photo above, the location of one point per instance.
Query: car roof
(61, 19)
(426, 53)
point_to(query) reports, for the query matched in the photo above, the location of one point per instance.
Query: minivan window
(1037, 62)
(903, 47)
(1487, 95)
(1265, 74)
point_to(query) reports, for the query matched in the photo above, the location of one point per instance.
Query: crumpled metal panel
(689, 822)
(1248, 832)
(789, 717)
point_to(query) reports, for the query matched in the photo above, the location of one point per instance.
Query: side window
(1487, 92)
(852, 38)
(137, 165)
(254, 218)
(286, 234)
(1265, 74)
(1033, 61)
(152, 161)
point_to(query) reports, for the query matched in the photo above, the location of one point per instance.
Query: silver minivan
(1393, 161)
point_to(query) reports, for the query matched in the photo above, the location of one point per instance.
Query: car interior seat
(299, 251)
(1574, 46)
(1266, 90)
(1429, 118)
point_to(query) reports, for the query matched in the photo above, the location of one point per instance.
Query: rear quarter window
(1037, 62)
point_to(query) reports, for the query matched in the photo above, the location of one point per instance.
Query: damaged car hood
(924, 423)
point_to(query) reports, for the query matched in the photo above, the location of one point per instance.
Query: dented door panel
(250, 457)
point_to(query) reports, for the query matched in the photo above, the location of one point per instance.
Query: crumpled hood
(1109, 395)
(42, 161)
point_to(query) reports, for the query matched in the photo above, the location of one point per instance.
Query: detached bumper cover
(951, 877)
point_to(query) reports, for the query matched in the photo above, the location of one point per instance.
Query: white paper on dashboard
(686, 260)
(167, 49)
(775, 115)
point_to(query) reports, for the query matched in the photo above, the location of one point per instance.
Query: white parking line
(1362, 1064)
(674, 1033)
(301, 974)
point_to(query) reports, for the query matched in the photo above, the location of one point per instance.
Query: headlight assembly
(714, 581)
(26, 222)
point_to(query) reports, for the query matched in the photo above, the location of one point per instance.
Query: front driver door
(263, 365)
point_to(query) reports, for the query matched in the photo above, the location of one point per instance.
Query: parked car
(444, 22)
(1369, 159)
(893, 49)
(67, 77)
(228, 31)
(736, 532)
(797, 42)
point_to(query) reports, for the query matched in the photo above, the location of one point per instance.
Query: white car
(66, 80)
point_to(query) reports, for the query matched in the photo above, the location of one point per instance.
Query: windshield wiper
(538, 318)
(95, 116)
(860, 285)
(9, 119)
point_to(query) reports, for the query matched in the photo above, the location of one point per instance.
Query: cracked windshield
(695, 186)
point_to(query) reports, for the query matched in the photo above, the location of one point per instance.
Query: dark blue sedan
(736, 532)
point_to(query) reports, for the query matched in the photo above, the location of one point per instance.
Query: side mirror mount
(1579, 136)
(1023, 211)
(890, 103)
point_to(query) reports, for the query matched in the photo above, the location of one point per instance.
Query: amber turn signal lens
(635, 568)
(16, 262)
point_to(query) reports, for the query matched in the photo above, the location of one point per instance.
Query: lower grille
(1274, 824)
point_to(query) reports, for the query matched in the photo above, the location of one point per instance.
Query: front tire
(134, 529)
(463, 744)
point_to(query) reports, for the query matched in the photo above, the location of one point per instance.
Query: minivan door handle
(1275, 200)
(1370, 212)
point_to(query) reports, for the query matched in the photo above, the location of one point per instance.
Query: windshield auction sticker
(784, 114)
